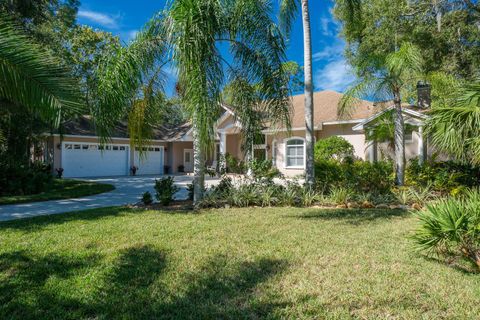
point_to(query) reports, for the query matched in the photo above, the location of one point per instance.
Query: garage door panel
(150, 160)
(92, 160)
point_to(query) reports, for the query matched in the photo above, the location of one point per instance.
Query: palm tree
(393, 76)
(198, 31)
(288, 10)
(454, 126)
(196, 35)
(32, 77)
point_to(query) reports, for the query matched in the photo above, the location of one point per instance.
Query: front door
(188, 160)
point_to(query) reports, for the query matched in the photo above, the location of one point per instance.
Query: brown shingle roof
(326, 109)
(84, 126)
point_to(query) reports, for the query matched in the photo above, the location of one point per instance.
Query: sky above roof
(330, 70)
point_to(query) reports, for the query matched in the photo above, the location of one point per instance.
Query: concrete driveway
(128, 190)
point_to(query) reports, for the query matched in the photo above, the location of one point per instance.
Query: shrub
(264, 169)
(444, 177)
(450, 227)
(340, 195)
(165, 190)
(333, 148)
(234, 165)
(24, 179)
(147, 198)
(361, 176)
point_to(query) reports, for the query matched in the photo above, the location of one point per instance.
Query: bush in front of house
(447, 177)
(450, 228)
(333, 148)
(147, 198)
(165, 189)
(24, 179)
(264, 169)
(234, 165)
(360, 176)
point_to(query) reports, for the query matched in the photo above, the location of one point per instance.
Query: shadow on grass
(457, 263)
(351, 216)
(39, 222)
(136, 286)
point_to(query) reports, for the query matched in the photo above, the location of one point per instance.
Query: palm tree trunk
(198, 165)
(309, 134)
(399, 140)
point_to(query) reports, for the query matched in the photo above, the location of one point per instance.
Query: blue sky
(125, 17)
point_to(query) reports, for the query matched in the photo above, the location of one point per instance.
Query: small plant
(147, 198)
(191, 190)
(133, 170)
(340, 195)
(308, 197)
(165, 190)
(450, 228)
(59, 172)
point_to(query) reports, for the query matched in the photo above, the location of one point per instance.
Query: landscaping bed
(275, 263)
(60, 189)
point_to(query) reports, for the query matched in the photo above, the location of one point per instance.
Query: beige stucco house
(79, 152)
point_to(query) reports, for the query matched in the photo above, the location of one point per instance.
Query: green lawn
(61, 189)
(237, 263)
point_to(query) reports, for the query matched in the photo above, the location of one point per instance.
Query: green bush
(234, 165)
(333, 148)
(24, 180)
(264, 169)
(147, 198)
(361, 176)
(446, 177)
(451, 227)
(165, 190)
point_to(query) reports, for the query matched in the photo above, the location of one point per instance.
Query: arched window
(295, 153)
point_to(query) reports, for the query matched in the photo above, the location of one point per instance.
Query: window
(295, 153)
(122, 148)
(76, 146)
(68, 146)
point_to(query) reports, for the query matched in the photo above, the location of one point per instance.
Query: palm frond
(288, 13)
(32, 77)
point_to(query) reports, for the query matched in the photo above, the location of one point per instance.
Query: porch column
(223, 151)
(422, 146)
(373, 151)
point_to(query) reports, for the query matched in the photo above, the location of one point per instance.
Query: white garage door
(93, 160)
(151, 160)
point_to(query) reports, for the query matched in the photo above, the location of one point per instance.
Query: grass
(61, 189)
(279, 263)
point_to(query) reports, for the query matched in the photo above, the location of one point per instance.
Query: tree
(257, 51)
(34, 80)
(288, 10)
(393, 74)
(454, 126)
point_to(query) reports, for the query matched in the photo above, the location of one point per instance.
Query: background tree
(32, 82)
(386, 78)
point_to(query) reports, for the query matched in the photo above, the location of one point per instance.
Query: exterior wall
(176, 153)
(411, 149)
(357, 139)
(234, 145)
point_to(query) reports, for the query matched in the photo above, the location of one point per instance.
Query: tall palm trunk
(198, 164)
(309, 134)
(399, 140)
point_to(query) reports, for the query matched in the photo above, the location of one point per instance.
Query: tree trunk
(309, 134)
(399, 140)
(198, 165)
(438, 13)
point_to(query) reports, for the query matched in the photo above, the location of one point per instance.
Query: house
(79, 152)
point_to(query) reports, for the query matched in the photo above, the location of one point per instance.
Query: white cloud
(130, 35)
(331, 52)
(336, 75)
(105, 20)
